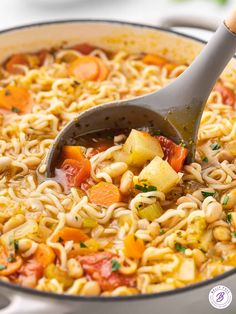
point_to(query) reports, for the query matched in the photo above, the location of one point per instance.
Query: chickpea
(126, 182)
(91, 288)
(221, 233)
(231, 200)
(13, 222)
(213, 212)
(199, 257)
(74, 268)
(116, 169)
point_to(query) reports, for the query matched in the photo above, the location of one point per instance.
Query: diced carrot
(70, 234)
(154, 60)
(103, 70)
(72, 152)
(76, 171)
(44, 255)
(133, 247)
(16, 99)
(170, 67)
(104, 194)
(84, 48)
(17, 59)
(173, 153)
(84, 68)
(228, 95)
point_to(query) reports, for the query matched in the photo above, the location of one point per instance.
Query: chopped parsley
(60, 240)
(157, 133)
(16, 245)
(228, 218)
(215, 146)
(15, 109)
(179, 247)
(145, 188)
(162, 231)
(182, 144)
(2, 266)
(225, 199)
(11, 259)
(234, 234)
(82, 245)
(115, 265)
(7, 92)
(206, 194)
(205, 159)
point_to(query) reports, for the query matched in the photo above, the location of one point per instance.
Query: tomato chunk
(76, 171)
(99, 267)
(173, 153)
(29, 273)
(228, 95)
(84, 48)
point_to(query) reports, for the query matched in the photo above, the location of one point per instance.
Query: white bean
(221, 233)
(126, 182)
(74, 268)
(91, 288)
(213, 212)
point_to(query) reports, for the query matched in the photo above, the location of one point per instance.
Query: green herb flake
(145, 188)
(2, 266)
(182, 143)
(7, 92)
(15, 109)
(115, 265)
(205, 159)
(16, 245)
(228, 218)
(162, 231)
(11, 259)
(234, 234)
(60, 240)
(179, 247)
(82, 245)
(206, 194)
(157, 133)
(215, 146)
(225, 199)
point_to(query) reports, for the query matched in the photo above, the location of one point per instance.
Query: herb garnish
(16, 245)
(157, 133)
(228, 218)
(60, 240)
(162, 231)
(205, 159)
(15, 109)
(215, 146)
(234, 234)
(115, 265)
(182, 143)
(225, 199)
(7, 92)
(206, 194)
(179, 247)
(82, 245)
(2, 266)
(145, 188)
(11, 259)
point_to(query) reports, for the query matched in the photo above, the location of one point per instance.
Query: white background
(19, 12)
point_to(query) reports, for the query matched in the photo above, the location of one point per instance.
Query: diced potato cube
(141, 147)
(121, 156)
(151, 212)
(160, 174)
(186, 272)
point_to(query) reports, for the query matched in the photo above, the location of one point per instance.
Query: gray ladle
(175, 110)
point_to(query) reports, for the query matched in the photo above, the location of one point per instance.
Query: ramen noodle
(123, 214)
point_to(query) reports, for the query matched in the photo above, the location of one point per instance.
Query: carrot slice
(76, 171)
(17, 59)
(70, 234)
(84, 68)
(228, 95)
(72, 152)
(44, 255)
(9, 267)
(154, 60)
(16, 99)
(133, 247)
(104, 194)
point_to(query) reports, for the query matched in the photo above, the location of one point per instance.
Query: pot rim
(136, 297)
